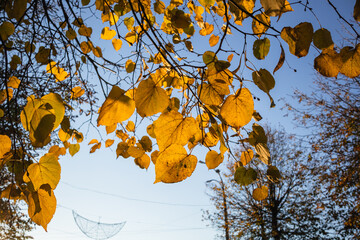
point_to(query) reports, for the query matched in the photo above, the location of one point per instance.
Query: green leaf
(209, 57)
(261, 48)
(244, 176)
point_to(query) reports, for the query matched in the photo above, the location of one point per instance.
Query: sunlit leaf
(237, 109)
(129, 22)
(260, 193)
(77, 92)
(159, 7)
(328, 63)
(143, 161)
(351, 61)
(5, 145)
(207, 29)
(117, 43)
(13, 82)
(107, 33)
(213, 159)
(174, 164)
(74, 148)
(260, 24)
(130, 126)
(95, 147)
(116, 108)
(172, 128)
(59, 73)
(246, 156)
(47, 171)
(150, 98)
(146, 143)
(42, 206)
(213, 40)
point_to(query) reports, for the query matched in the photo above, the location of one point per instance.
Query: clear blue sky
(100, 187)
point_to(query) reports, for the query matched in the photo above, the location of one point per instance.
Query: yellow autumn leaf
(260, 24)
(5, 145)
(213, 159)
(237, 109)
(42, 206)
(129, 66)
(77, 92)
(131, 38)
(207, 29)
(59, 73)
(260, 193)
(93, 141)
(47, 171)
(130, 126)
(74, 148)
(246, 156)
(116, 108)
(6, 95)
(109, 142)
(143, 161)
(350, 58)
(150, 98)
(328, 63)
(107, 33)
(13, 82)
(208, 95)
(213, 40)
(110, 129)
(117, 43)
(174, 164)
(172, 128)
(136, 151)
(95, 147)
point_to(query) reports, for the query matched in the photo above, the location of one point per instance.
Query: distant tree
(331, 113)
(279, 208)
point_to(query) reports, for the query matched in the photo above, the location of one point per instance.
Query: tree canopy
(281, 205)
(152, 76)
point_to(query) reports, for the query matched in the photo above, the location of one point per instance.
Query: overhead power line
(134, 199)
